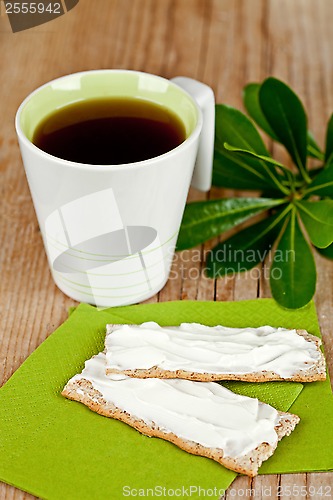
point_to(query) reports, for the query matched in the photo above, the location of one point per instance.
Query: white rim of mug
(88, 166)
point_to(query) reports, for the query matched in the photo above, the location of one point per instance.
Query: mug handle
(204, 96)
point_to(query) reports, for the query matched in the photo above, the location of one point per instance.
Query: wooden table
(225, 43)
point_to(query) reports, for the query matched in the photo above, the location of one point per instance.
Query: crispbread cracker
(82, 390)
(316, 372)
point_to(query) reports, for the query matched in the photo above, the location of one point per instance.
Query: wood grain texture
(225, 43)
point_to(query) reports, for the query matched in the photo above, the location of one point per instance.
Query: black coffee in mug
(109, 131)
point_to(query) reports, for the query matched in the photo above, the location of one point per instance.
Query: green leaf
(329, 141)
(293, 271)
(326, 252)
(322, 184)
(234, 127)
(286, 116)
(235, 173)
(252, 154)
(206, 219)
(252, 106)
(271, 172)
(246, 249)
(317, 217)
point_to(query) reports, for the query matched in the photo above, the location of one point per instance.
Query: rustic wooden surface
(224, 43)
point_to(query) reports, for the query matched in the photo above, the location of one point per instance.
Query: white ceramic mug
(110, 231)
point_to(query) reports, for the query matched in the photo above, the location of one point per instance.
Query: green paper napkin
(310, 446)
(55, 448)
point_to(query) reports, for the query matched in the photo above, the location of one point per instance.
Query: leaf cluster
(297, 203)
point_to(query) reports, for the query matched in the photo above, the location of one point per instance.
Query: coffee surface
(109, 131)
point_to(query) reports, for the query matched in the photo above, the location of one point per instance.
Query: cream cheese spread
(203, 412)
(197, 348)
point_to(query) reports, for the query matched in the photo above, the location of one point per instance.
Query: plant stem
(317, 154)
(276, 181)
(304, 173)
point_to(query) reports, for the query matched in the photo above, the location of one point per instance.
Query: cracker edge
(247, 464)
(315, 373)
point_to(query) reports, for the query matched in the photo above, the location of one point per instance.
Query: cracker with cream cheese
(204, 419)
(201, 353)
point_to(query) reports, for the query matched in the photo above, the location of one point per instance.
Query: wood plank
(319, 485)
(293, 487)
